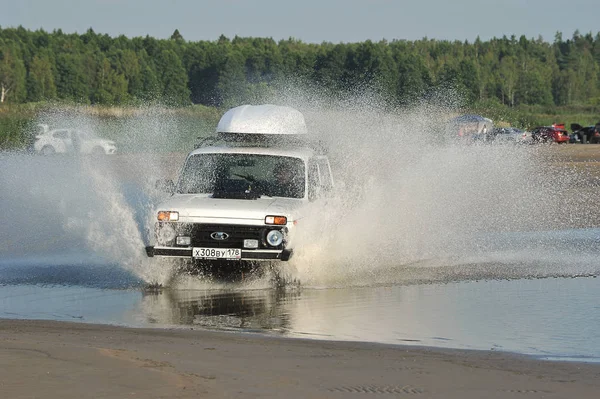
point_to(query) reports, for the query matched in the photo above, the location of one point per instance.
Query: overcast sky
(309, 20)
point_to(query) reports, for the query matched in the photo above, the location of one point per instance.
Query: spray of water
(70, 209)
(410, 203)
(414, 204)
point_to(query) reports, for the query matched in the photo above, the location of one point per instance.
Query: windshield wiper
(249, 195)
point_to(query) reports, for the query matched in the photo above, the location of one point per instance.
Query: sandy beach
(47, 359)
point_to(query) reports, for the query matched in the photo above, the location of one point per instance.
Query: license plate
(217, 253)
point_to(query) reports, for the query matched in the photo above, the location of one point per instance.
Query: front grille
(201, 235)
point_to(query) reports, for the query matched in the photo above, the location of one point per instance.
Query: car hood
(193, 207)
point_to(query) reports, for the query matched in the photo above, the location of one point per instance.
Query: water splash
(411, 204)
(414, 204)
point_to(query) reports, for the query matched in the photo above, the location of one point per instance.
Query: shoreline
(53, 359)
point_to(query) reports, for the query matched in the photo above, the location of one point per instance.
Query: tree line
(93, 68)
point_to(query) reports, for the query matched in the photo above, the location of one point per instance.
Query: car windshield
(245, 176)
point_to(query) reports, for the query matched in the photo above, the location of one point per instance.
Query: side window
(325, 174)
(60, 134)
(314, 183)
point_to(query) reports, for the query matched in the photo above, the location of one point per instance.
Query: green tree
(203, 62)
(111, 86)
(413, 78)
(73, 82)
(534, 86)
(176, 35)
(233, 88)
(330, 66)
(12, 74)
(172, 78)
(470, 79)
(40, 80)
(297, 58)
(144, 86)
(509, 76)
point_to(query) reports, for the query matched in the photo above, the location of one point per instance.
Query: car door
(61, 140)
(80, 142)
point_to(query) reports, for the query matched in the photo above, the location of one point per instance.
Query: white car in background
(70, 141)
(511, 135)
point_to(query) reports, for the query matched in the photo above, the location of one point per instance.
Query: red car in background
(549, 134)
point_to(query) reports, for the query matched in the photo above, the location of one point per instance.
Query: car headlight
(165, 234)
(274, 238)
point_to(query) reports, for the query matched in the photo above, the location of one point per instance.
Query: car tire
(48, 150)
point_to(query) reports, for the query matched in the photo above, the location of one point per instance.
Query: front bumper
(201, 235)
(249, 255)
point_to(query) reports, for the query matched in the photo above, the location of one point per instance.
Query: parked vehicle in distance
(549, 134)
(510, 135)
(471, 127)
(585, 135)
(71, 141)
(241, 194)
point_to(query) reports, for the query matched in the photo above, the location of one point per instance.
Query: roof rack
(262, 141)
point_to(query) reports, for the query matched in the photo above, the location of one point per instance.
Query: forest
(515, 81)
(97, 69)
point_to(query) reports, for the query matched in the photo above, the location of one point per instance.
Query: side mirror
(165, 185)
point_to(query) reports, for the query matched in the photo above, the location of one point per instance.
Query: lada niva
(241, 194)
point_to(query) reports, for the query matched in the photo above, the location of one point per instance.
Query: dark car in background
(550, 134)
(585, 135)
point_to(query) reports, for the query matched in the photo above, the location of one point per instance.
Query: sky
(312, 21)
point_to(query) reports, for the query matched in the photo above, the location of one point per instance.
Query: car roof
(303, 153)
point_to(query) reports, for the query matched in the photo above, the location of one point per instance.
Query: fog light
(184, 240)
(274, 238)
(251, 244)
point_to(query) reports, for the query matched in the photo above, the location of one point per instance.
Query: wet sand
(46, 359)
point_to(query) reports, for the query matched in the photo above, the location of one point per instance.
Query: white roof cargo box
(262, 119)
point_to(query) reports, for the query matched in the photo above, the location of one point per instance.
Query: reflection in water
(245, 310)
(549, 317)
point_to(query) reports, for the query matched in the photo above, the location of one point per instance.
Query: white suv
(71, 141)
(240, 199)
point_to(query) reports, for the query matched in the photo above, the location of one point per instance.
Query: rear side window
(325, 174)
(314, 181)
